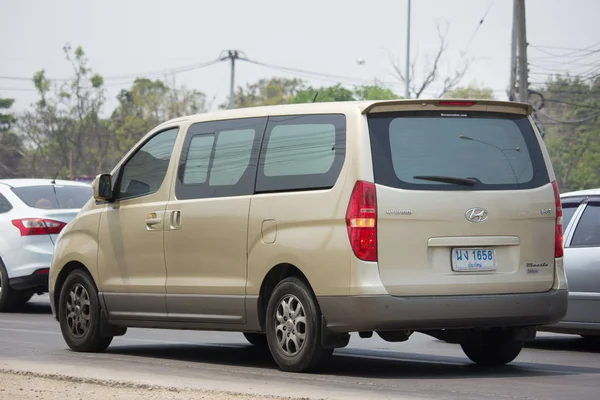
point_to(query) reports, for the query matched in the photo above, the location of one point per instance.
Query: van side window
(145, 171)
(5, 205)
(219, 158)
(302, 152)
(587, 232)
(196, 168)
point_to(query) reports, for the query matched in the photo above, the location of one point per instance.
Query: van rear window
(455, 151)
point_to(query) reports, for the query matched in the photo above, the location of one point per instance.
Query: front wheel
(492, 348)
(293, 326)
(80, 316)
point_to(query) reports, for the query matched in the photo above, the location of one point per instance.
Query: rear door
(465, 203)
(582, 263)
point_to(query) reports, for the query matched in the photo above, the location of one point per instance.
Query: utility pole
(231, 55)
(523, 65)
(512, 86)
(407, 73)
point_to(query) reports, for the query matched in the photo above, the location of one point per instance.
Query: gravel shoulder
(16, 385)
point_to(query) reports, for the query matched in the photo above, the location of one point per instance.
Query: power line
(575, 53)
(578, 121)
(596, 108)
(478, 27)
(169, 71)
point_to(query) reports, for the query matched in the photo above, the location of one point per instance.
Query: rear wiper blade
(447, 179)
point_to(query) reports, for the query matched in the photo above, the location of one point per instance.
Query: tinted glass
(568, 212)
(4, 205)
(145, 171)
(52, 197)
(587, 232)
(302, 152)
(232, 156)
(306, 149)
(219, 158)
(196, 167)
(413, 150)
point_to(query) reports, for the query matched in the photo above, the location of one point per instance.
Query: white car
(32, 214)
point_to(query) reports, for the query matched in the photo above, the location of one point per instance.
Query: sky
(135, 37)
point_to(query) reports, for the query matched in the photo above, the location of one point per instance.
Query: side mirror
(103, 187)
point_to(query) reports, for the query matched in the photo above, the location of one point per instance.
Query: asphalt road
(551, 367)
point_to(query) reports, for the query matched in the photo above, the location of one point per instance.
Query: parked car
(32, 214)
(299, 224)
(581, 216)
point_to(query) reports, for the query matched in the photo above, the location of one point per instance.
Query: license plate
(482, 259)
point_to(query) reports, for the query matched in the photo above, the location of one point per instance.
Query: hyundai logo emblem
(476, 215)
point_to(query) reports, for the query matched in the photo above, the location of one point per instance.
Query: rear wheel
(293, 325)
(592, 338)
(10, 299)
(495, 347)
(256, 339)
(80, 316)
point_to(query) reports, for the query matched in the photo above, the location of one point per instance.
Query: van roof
(365, 107)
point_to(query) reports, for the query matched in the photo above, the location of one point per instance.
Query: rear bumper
(385, 312)
(35, 282)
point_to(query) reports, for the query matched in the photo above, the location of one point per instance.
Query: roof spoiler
(448, 104)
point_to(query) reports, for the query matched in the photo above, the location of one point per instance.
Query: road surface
(551, 367)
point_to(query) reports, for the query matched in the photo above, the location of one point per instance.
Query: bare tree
(432, 69)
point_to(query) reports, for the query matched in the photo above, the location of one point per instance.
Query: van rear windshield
(455, 151)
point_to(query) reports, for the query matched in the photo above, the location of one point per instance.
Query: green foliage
(11, 145)
(374, 92)
(275, 91)
(324, 94)
(574, 146)
(267, 92)
(145, 105)
(339, 93)
(473, 91)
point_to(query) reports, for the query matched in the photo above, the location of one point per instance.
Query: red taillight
(457, 103)
(38, 226)
(558, 232)
(361, 219)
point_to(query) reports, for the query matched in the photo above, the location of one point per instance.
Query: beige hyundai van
(299, 224)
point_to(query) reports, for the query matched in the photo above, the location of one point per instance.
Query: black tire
(492, 348)
(257, 339)
(81, 334)
(592, 338)
(10, 299)
(310, 354)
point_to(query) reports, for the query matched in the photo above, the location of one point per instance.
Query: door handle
(152, 219)
(175, 219)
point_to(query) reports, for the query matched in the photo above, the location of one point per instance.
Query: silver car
(32, 214)
(581, 217)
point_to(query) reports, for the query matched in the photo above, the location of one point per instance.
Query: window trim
(380, 150)
(294, 183)
(576, 219)
(247, 183)
(121, 168)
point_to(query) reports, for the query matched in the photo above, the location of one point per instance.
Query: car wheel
(256, 339)
(293, 326)
(592, 338)
(492, 348)
(10, 299)
(80, 316)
